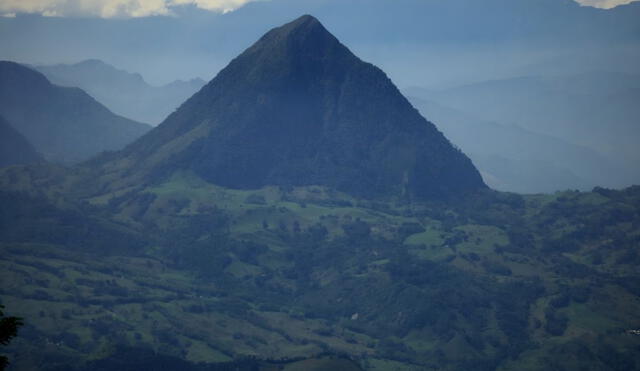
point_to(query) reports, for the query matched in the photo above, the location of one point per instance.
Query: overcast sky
(145, 8)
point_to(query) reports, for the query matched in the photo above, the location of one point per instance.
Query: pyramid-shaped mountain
(298, 108)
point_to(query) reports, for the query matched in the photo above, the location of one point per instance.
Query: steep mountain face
(298, 108)
(15, 149)
(125, 93)
(64, 124)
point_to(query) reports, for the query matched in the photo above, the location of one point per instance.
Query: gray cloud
(112, 8)
(604, 4)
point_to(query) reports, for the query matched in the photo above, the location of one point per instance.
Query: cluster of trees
(8, 330)
(29, 218)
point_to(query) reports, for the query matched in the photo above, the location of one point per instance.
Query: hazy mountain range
(509, 62)
(595, 109)
(433, 42)
(124, 93)
(491, 122)
(515, 159)
(64, 124)
(544, 133)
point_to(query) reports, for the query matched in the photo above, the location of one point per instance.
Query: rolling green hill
(209, 274)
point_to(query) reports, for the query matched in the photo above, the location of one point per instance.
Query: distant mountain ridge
(66, 125)
(298, 108)
(125, 93)
(15, 149)
(597, 110)
(514, 159)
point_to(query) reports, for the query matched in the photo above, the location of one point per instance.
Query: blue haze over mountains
(549, 72)
(515, 35)
(65, 124)
(533, 134)
(126, 94)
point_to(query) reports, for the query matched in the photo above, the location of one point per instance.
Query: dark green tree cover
(333, 269)
(35, 219)
(135, 359)
(8, 330)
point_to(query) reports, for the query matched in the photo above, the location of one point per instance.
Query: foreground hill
(298, 108)
(191, 270)
(66, 125)
(124, 93)
(14, 148)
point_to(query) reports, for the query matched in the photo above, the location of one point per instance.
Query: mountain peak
(304, 21)
(93, 62)
(305, 33)
(298, 108)
(304, 24)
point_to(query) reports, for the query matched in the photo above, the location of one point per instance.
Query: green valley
(209, 274)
